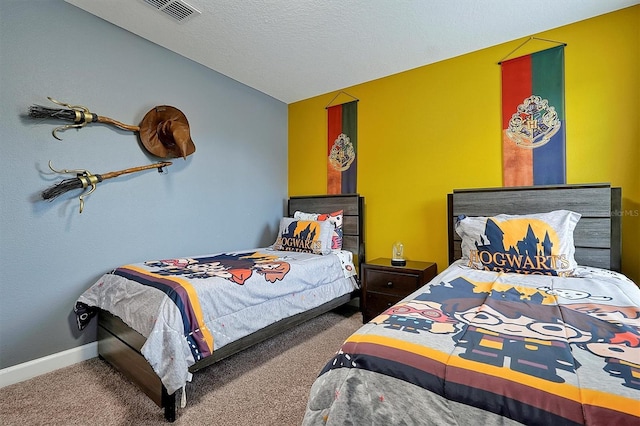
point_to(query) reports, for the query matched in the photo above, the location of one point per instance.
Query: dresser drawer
(384, 284)
(378, 303)
(393, 283)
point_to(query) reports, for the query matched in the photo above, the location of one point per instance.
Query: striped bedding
(479, 347)
(189, 307)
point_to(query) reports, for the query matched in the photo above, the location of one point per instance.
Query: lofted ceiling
(296, 49)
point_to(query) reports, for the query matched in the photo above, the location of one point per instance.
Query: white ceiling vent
(176, 9)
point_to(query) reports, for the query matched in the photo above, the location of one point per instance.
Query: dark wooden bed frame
(597, 236)
(120, 345)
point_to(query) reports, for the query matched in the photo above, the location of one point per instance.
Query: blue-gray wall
(229, 195)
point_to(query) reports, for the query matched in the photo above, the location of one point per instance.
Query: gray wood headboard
(597, 236)
(352, 222)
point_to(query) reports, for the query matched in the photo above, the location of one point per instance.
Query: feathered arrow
(85, 179)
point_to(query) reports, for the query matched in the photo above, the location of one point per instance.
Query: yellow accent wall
(427, 131)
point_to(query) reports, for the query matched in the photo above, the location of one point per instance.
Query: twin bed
(162, 320)
(529, 324)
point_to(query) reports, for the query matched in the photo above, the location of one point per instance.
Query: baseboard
(30, 369)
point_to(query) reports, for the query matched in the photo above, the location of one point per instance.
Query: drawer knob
(390, 284)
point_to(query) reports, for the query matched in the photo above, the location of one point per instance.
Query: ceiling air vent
(176, 9)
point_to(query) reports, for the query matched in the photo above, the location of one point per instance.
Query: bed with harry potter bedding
(162, 320)
(517, 330)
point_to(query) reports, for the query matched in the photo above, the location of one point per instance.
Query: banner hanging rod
(527, 41)
(338, 94)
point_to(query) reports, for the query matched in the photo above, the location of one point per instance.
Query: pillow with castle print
(308, 236)
(539, 243)
(334, 218)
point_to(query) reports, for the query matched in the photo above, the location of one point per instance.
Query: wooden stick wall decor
(85, 179)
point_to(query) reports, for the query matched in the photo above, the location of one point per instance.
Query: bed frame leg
(169, 404)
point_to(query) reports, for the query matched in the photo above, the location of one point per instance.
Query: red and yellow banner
(342, 141)
(533, 119)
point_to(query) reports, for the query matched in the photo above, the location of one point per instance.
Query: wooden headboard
(597, 236)
(352, 222)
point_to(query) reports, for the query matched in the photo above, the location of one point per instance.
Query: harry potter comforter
(479, 347)
(187, 308)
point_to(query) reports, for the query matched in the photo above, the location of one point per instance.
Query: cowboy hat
(164, 132)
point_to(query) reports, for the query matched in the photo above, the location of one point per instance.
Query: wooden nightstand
(384, 285)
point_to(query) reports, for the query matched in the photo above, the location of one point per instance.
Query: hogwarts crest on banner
(533, 125)
(342, 153)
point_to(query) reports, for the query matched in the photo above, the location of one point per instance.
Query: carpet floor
(267, 384)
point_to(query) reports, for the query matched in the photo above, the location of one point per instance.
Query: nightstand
(384, 285)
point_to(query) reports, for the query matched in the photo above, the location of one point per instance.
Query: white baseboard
(30, 369)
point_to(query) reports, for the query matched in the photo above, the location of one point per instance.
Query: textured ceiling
(293, 50)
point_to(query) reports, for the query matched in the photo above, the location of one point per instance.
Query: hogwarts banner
(533, 119)
(342, 142)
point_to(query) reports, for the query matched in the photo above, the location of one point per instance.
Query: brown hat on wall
(164, 132)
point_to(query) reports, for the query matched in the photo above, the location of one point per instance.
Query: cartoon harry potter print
(621, 351)
(416, 315)
(524, 330)
(235, 267)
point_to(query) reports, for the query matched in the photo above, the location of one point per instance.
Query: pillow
(334, 218)
(307, 236)
(531, 244)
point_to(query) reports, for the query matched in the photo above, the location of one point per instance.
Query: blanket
(479, 347)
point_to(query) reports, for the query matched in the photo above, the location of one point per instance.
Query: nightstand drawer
(383, 284)
(395, 283)
(377, 303)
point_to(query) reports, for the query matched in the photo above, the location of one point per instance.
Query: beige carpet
(267, 384)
